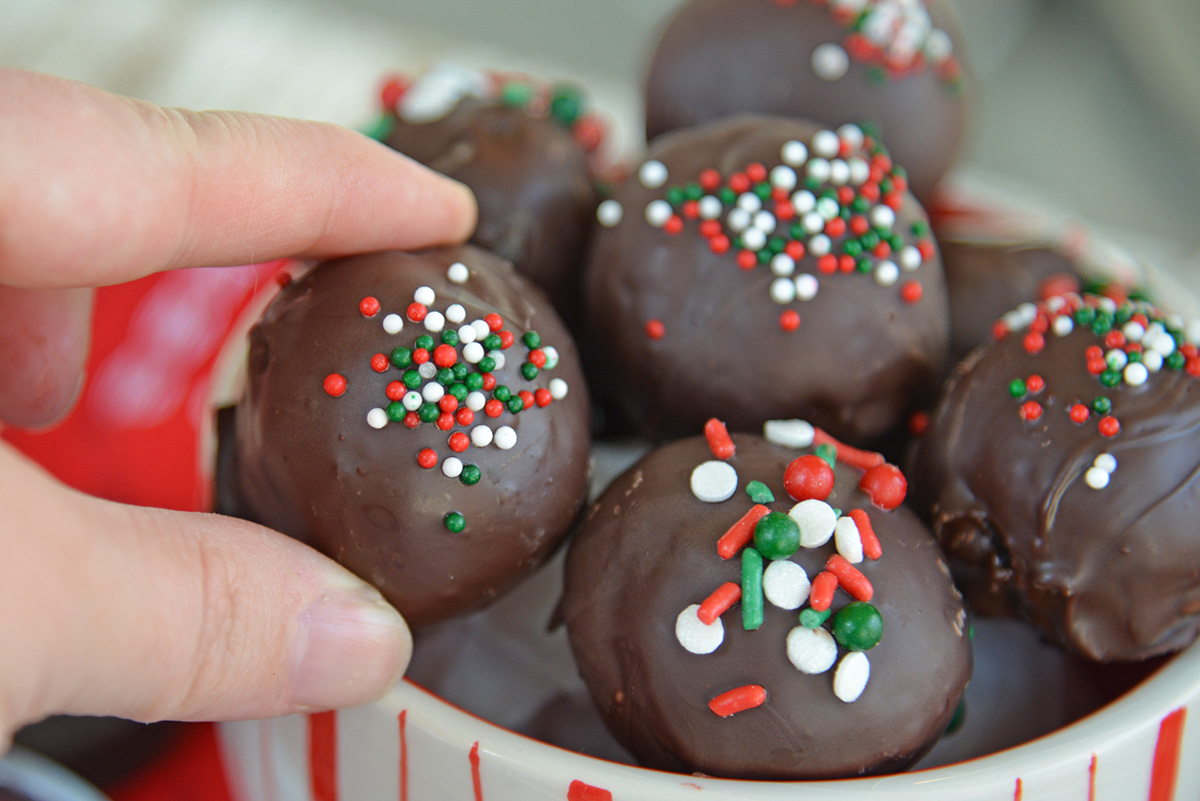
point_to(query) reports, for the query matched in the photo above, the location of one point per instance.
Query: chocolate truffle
(890, 64)
(1061, 473)
(760, 268)
(846, 654)
(523, 147)
(421, 418)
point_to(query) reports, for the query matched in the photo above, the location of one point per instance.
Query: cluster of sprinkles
(896, 37)
(764, 540)
(833, 200)
(1134, 341)
(446, 379)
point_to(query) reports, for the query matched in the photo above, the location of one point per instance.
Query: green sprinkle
(728, 196)
(381, 127)
(474, 381)
(515, 404)
(858, 626)
(529, 371)
(812, 619)
(693, 191)
(1016, 388)
(1101, 405)
(424, 341)
(812, 184)
(852, 248)
(501, 393)
(449, 337)
(532, 339)
(920, 228)
(760, 492)
(487, 364)
(675, 196)
(764, 256)
(828, 453)
(454, 522)
(860, 205)
(515, 93)
(870, 240)
(1175, 361)
(1123, 314)
(412, 379)
(1110, 378)
(460, 371)
(886, 186)
(960, 715)
(797, 232)
(445, 376)
(470, 474)
(458, 390)
(1102, 324)
(763, 190)
(396, 411)
(864, 265)
(429, 412)
(776, 244)
(1085, 316)
(752, 589)
(776, 535)
(491, 342)
(401, 358)
(1135, 356)
(566, 104)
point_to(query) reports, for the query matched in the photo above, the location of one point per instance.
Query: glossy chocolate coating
(530, 178)
(648, 550)
(721, 57)
(1112, 573)
(309, 465)
(860, 361)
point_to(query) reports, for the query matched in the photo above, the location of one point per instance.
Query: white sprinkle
(1136, 374)
(830, 62)
(658, 212)
(424, 295)
(434, 322)
(1153, 360)
(828, 208)
(765, 221)
(482, 329)
(749, 201)
(1107, 304)
(811, 651)
(806, 286)
(481, 436)
(412, 400)
(886, 273)
(819, 245)
(433, 392)
(909, 258)
(1063, 325)
(786, 584)
(377, 418)
(783, 177)
(505, 438)
(839, 172)
(609, 213)
(883, 217)
(551, 356)
(498, 357)
(789, 433)
(783, 264)
(783, 290)
(1055, 302)
(653, 174)
(427, 370)
(393, 324)
(813, 222)
(860, 170)
(938, 46)
(794, 153)
(558, 388)
(754, 239)
(1116, 359)
(1133, 331)
(710, 207)
(1163, 344)
(466, 334)
(851, 134)
(818, 169)
(826, 143)
(738, 220)
(851, 676)
(458, 273)
(804, 201)
(694, 635)
(1106, 462)
(473, 352)
(1191, 332)
(456, 313)
(714, 481)
(452, 467)
(476, 400)
(1096, 478)
(847, 540)
(817, 521)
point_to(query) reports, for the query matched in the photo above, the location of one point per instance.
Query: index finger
(96, 188)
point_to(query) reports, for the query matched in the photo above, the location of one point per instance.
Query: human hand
(143, 613)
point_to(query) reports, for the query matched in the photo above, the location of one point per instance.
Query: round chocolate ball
(759, 268)
(523, 149)
(421, 418)
(1061, 473)
(796, 677)
(889, 64)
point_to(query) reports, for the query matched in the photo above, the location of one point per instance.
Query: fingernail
(349, 649)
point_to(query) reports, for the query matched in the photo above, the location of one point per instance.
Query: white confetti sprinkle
(458, 273)
(1136, 374)
(789, 433)
(505, 438)
(1096, 478)
(783, 177)
(886, 273)
(433, 392)
(609, 213)
(481, 436)
(476, 400)
(794, 153)
(786, 584)
(817, 521)
(806, 286)
(456, 313)
(847, 540)
(825, 143)
(1106, 462)
(714, 481)
(466, 334)
(393, 324)
(783, 290)
(424, 295)
(452, 467)
(472, 352)
(694, 635)
(558, 388)
(804, 201)
(377, 418)
(653, 174)
(783, 264)
(658, 212)
(412, 400)
(427, 370)
(710, 207)
(434, 322)
(851, 676)
(830, 62)
(1063, 325)
(811, 651)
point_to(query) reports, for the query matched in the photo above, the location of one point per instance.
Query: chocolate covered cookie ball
(760, 268)
(421, 418)
(891, 64)
(746, 608)
(1061, 473)
(525, 148)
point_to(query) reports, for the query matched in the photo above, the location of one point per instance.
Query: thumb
(147, 614)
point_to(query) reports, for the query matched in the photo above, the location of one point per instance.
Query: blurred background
(1093, 105)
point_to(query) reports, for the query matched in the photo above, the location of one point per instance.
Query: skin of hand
(142, 613)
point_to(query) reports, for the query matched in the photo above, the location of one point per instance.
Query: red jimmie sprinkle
(719, 602)
(379, 362)
(741, 532)
(655, 329)
(850, 578)
(719, 441)
(885, 485)
(739, 699)
(335, 384)
(458, 442)
(369, 306)
(855, 457)
(427, 458)
(1109, 426)
(495, 322)
(789, 320)
(823, 587)
(870, 542)
(808, 477)
(416, 312)
(912, 291)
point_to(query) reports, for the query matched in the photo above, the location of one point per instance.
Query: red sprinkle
(741, 532)
(420, 356)
(445, 355)
(395, 391)
(1079, 413)
(589, 132)
(739, 699)
(1031, 410)
(808, 477)
(495, 322)
(1035, 383)
(719, 602)
(710, 228)
(820, 596)
(448, 403)
(859, 225)
(718, 438)
(427, 458)
(379, 362)
(537, 357)
(789, 320)
(756, 172)
(835, 227)
(489, 382)
(855, 457)
(719, 243)
(464, 416)
(918, 423)
(1192, 367)
(392, 90)
(542, 397)
(369, 306)
(445, 421)
(458, 442)
(417, 311)
(1034, 342)
(335, 384)
(870, 543)
(1109, 426)
(885, 485)
(1097, 366)
(999, 330)
(739, 182)
(795, 249)
(709, 180)
(674, 225)
(746, 259)
(493, 408)
(912, 291)
(411, 420)
(850, 578)
(1114, 339)
(527, 398)
(506, 339)
(827, 264)
(655, 329)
